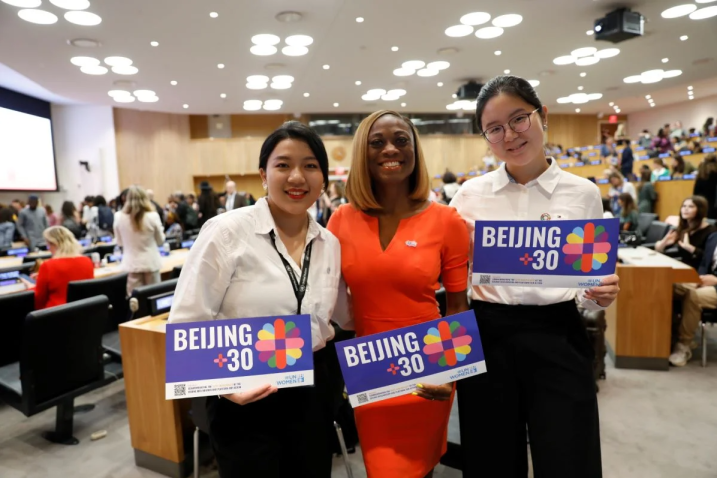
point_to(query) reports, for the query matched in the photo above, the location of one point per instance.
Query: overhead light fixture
(690, 88)
(648, 96)
(299, 40)
(84, 43)
(118, 61)
(607, 53)
(39, 17)
(426, 72)
(23, 3)
(257, 86)
(611, 103)
(403, 72)
(498, 53)
(265, 39)
(475, 18)
(436, 65)
(223, 95)
(94, 70)
(577, 110)
(125, 70)
(679, 11)
(306, 95)
(173, 83)
(357, 83)
(114, 93)
(220, 66)
(534, 83)
(507, 21)
(589, 32)
(86, 19)
(587, 61)
(403, 105)
(154, 43)
(368, 97)
(326, 67)
(288, 17)
(336, 105)
(585, 51)
(457, 31)
(295, 50)
(684, 38)
(702, 13)
(263, 50)
(583, 74)
(185, 106)
(359, 19)
(580, 88)
(413, 64)
(252, 105)
(617, 110)
(394, 48)
(139, 93)
(564, 60)
(84, 61)
(71, 4)
(440, 83)
(652, 105)
(486, 33)
(213, 14)
(389, 97)
(665, 60)
(397, 92)
(148, 99)
(125, 99)
(283, 79)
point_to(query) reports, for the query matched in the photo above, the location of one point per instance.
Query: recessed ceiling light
(213, 14)
(679, 11)
(437, 65)
(86, 19)
(84, 61)
(475, 18)
(71, 4)
(397, 92)
(252, 105)
(23, 3)
(370, 97)
(154, 43)
(359, 19)
(223, 95)
(440, 83)
(577, 110)
(506, 72)
(357, 83)
(507, 21)
(263, 50)
(689, 88)
(295, 50)
(652, 105)
(124, 99)
(118, 61)
(403, 72)
(389, 97)
(607, 53)
(454, 95)
(665, 60)
(580, 88)
(84, 43)
(612, 104)
(336, 105)
(114, 93)
(671, 73)
(257, 86)
(173, 83)
(326, 67)
(692, 97)
(459, 31)
(684, 37)
(376, 92)
(564, 60)
(40, 17)
(94, 70)
(299, 40)
(220, 66)
(125, 70)
(702, 13)
(617, 110)
(427, 72)
(583, 74)
(403, 105)
(581, 52)
(394, 48)
(148, 99)
(594, 96)
(306, 95)
(271, 106)
(257, 79)
(587, 61)
(144, 93)
(498, 53)
(589, 32)
(283, 79)
(486, 33)
(413, 64)
(265, 39)
(185, 106)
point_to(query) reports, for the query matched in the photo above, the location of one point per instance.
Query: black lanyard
(299, 286)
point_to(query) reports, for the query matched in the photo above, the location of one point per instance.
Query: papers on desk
(642, 256)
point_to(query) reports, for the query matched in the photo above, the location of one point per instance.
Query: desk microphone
(133, 306)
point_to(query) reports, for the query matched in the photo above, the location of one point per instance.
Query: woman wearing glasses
(537, 353)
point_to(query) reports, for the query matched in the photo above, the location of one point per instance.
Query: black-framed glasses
(519, 124)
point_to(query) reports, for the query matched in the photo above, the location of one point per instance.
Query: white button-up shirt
(496, 196)
(233, 271)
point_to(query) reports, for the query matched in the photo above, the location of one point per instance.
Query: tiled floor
(653, 425)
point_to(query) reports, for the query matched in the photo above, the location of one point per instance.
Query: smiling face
(293, 177)
(391, 150)
(516, 149)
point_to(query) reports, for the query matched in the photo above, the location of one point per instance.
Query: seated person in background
(67, 265)
(450, 186)
(607, 209)
(628, 213)
(607, 150)
(659, 171)
(71, 219)
(680, 167)
(694, 299)
(692, 232)
(618, 185)
(646, 195)
(645, 140)
(174, 229)
(695, 147)
(7, 226)
(679, 143)
(661, 143)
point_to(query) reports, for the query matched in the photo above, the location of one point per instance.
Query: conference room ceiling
(191, 45)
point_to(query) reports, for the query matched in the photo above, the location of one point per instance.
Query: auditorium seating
(115, 289)
(61, 359)
(655, 232)
(15, 308)
(36, 257)
(643, 222)
(24, 268)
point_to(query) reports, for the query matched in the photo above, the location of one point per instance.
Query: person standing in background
(7, 227)
(52, 218)
(105, 216)
(646, 195)
(139, 232)
(659, 171)
(706, 183)
(627, 160)
(71, 219)
(31, 222)
(208, 203)
(233, 199)
(157, 207)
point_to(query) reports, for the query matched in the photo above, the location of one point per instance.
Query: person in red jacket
(67, 265)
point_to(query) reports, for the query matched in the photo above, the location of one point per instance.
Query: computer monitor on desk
(16, 252)
(154, 295)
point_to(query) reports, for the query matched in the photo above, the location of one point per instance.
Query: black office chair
(115, 289)
(139, 302)
(176, 271)
(15, 308)
(24, 268)
(104, 250)
(42, 257)
(643, 222)
(190, 233)
(655, 232)
(62, 361)
(709, 316)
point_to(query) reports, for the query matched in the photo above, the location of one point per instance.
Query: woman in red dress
(395, 245)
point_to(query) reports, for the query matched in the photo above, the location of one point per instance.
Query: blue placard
(595, 162)
(694, 135)
(390, 364)
(686, 153)
(640, 148)
(603, 181)
(472, 173)
(105, 239)
(713, 139)
(18, 252)
(664, 155)
(85, 242)
(579, 163)
(565, 156)
(561, 253)
(565, 166)
(689, 176)
(708, 150)
(592, 153)
(664, 178)
(218, 357)
(643, 158)
(187, 244)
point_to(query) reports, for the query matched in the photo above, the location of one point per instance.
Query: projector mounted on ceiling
(619, 25)
(469, 91)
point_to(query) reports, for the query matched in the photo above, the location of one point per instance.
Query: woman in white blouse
(139, 231)
(537, 352)
(239, 267)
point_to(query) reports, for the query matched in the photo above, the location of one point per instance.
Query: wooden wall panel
(198, 126)
(574, 130)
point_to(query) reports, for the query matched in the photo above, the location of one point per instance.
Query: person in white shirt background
(233, 199)
(239, 267)
(618, 185)
(139, 232)
(537, 353)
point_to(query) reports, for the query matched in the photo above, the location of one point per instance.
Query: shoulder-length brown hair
(702, 207)
(359, 186)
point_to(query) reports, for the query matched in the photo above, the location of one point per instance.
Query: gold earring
(264, 186)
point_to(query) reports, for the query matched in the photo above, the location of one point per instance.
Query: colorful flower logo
(447, 344)
(587, 249)
(279, 345)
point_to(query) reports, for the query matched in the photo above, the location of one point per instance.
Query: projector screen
(27, 158)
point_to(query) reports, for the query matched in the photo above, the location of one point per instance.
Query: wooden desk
(670, 195)
(157, 426)
(175, 258)
(639, 322)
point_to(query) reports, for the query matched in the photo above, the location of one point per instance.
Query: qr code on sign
(180, 390)
(362, 398)
(484, 279)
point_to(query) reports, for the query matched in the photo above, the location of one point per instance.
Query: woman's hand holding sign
(434, 392)
(253, 395)
(605, 294)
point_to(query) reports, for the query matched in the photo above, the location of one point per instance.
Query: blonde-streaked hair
(359, 187)
(137, 205)
(63, 240)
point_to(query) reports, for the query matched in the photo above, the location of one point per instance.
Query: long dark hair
(707, 167)
(6, 214)
(645, 176)
(684, 225)
(628, 204)
(68, 210)
(511, 85)
(680, 168)
(296, 130)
